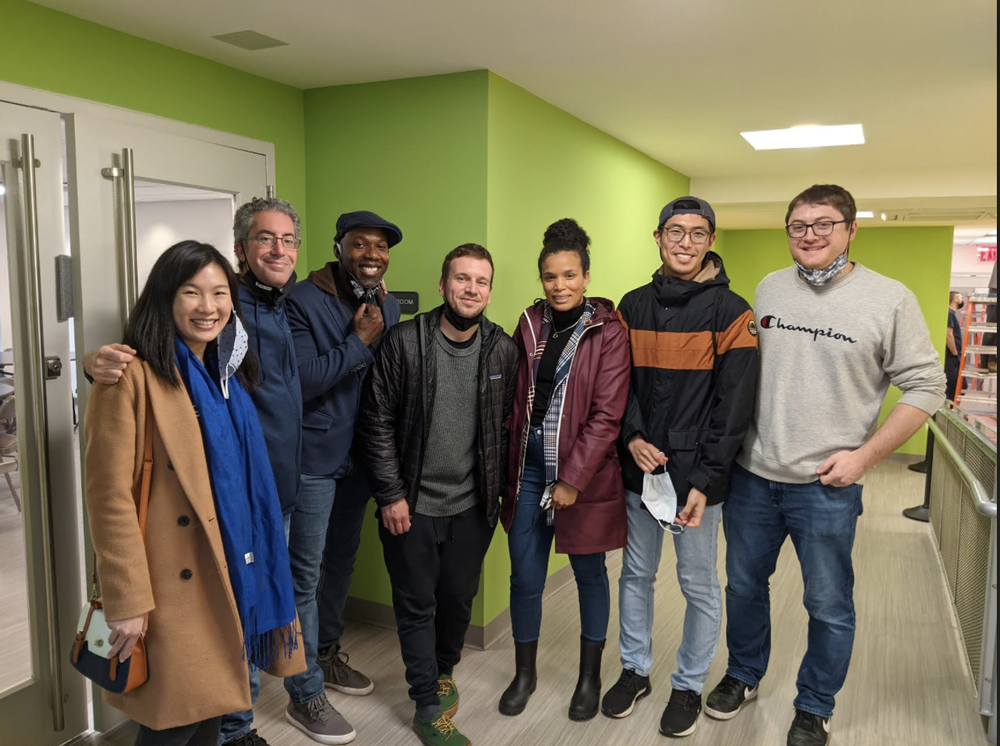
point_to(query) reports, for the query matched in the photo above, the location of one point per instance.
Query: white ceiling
(676, 80)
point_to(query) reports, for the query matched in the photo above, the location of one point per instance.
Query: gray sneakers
(320, 721)
(340, 676)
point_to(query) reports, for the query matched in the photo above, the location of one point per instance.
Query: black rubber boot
(587, 697)
(515, 697)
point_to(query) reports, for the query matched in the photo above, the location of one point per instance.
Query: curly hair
(565, 235)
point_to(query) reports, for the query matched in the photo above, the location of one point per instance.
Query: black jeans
(434, 569)
(205, 733)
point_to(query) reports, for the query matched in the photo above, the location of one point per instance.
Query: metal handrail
(980, 496)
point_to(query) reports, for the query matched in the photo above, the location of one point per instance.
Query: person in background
(952, 360)
(435, 441)
(213, 504)
(565, 479)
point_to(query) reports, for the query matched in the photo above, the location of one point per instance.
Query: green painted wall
(545, 164)
(472, 157)
(414, 151)
(920, 258)
(64, 54)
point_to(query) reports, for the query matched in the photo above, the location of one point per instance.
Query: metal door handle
(39, 416)
(128, 259)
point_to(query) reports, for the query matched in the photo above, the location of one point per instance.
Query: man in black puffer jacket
(433, 431)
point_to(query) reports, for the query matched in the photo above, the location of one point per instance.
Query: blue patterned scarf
(550, 425)
(246, 502)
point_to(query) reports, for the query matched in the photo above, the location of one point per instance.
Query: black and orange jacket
(694, 375)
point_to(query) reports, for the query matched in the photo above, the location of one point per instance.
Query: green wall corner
(472, 157)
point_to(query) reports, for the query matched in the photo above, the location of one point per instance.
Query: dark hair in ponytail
(565, 235)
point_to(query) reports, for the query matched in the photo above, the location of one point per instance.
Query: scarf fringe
(264, 648)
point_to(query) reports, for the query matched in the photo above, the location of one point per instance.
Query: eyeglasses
(269, 241)
(819, 228)
(698, 235)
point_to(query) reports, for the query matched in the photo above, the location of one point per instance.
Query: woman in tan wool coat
(209, 589)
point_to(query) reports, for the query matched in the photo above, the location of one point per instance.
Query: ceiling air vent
(946, 215)
(250, 40)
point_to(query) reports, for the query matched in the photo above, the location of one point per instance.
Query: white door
(133, 192)
(43, 701)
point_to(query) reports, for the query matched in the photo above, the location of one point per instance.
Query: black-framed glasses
(676, 235)
(269, 240)
(819, 228)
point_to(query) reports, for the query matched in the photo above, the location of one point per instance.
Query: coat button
(183, 521)
(186, 574)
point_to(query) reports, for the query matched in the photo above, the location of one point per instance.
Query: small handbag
(89, 652)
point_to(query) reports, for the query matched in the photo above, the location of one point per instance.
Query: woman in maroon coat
(564, 479)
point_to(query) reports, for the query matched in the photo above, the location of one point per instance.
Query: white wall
(159, 225)
(966, 269)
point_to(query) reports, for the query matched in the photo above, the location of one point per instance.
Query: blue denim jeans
(343, 537)
(530, 540)
(821, 520)
(306, 545)
(237, 724)
(698, 578)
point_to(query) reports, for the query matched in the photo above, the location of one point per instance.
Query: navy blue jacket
(279, 397)
(333, 365)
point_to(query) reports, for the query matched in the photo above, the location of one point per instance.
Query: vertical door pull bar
(39, 416)
(128, 261)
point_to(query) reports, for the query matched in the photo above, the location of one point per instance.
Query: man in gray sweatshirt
(833, 336)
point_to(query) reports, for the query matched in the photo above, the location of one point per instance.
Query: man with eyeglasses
(833, 336)
(266, 242)
(694, 368)
(337, 318)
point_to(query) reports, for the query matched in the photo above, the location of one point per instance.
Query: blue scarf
(246, 502)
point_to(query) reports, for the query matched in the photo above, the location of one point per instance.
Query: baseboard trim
(479, 637)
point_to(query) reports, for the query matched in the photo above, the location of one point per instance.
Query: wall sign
(408, 302)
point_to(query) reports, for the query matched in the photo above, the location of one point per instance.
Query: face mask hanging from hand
(232, 343)
(660, 499)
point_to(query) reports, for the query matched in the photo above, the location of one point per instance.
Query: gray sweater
(448, 476)
(827, 357)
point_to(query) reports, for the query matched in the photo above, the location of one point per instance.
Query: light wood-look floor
(907, 686)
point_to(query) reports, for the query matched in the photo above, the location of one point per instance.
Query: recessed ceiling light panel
(250, 40)
(865, 214)
(807, 136)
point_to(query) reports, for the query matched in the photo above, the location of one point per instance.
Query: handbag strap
(147, 479)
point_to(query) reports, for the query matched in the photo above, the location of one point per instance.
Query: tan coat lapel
(180, 432)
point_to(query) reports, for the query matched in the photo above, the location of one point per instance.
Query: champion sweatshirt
(827, 357)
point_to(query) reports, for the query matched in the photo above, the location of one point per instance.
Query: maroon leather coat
(596, 394)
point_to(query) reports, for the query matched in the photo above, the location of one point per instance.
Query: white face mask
(817, 277)
(232, 343)
(660, 499)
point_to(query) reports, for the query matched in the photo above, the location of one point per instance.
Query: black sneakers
(808, 730)
(248, 739)
(680, 717)
(621, 698)
(728, 698)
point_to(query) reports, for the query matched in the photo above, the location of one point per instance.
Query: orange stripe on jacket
(689, 350)
(671, 350)
(741, 333)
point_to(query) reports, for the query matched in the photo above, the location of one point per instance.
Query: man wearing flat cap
(337, 318)
(694, 369)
